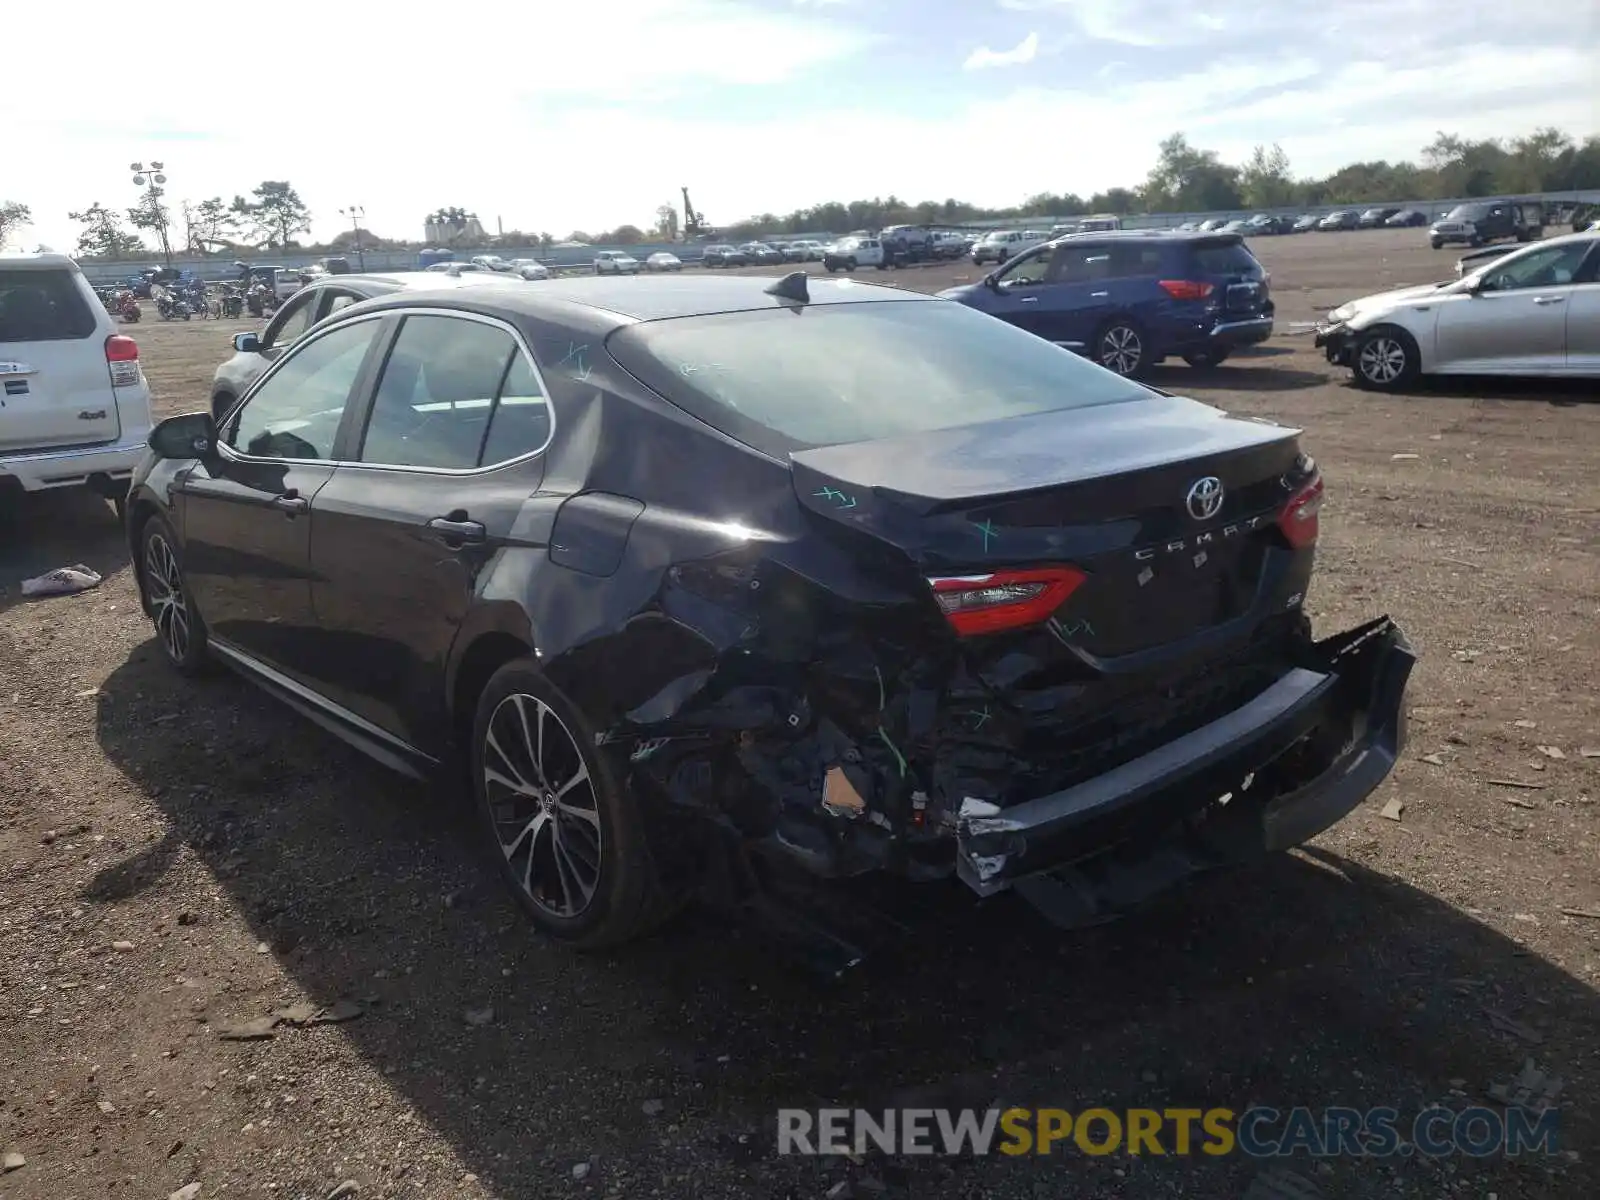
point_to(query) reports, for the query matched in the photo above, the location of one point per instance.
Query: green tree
(1185, 179)
(275, 214)
(667, 223)
(13, 216)
(103, 235)
(1265, 179)
(208, 226)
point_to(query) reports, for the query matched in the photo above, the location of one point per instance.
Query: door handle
(1027, 299)
(291, 502)
(458, 532)
(1548, 299)
(1098, 295)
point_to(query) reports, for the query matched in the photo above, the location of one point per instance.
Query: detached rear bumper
(1151, 822)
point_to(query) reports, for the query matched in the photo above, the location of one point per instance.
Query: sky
(552, 117)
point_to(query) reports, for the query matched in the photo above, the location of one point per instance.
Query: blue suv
(1132, 298)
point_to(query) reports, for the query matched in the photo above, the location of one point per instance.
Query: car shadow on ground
(1560, 393)
(42, 531)
(1309, 980)
(1243, 376)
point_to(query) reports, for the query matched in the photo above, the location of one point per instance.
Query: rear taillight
(1298, 520)
(1002, 600)
(122, 357)
(1186, 289)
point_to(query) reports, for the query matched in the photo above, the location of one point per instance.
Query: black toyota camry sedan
(802, 576)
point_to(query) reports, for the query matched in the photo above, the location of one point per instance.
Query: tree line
(1185, 178)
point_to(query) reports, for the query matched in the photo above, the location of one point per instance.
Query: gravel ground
(180, 860)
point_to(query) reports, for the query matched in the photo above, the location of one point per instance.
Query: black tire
(1206, 359)
(850, 264)
(1120, 347)
(1435, 243)
(604, 842)
(1474, 241)
(180, 631)
(831, 268)
(1386, 359)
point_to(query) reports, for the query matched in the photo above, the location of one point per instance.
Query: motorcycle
(128, 308)
(232, 303)
(172, 306)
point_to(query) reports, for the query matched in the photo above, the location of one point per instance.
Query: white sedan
(663, 260)
(615, 262)
(1533, 311)
(529, 268)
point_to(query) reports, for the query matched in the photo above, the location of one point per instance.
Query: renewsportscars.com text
(1258, 1132)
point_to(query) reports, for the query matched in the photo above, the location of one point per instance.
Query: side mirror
(192, 435)
(992, 280)
(247, 343)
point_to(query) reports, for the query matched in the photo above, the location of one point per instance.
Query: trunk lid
(55, 384)
(1119, 491)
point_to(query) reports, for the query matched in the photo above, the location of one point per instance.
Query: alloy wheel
(542, 805)
(164, 583)
(1121, 349)
(1382, 360)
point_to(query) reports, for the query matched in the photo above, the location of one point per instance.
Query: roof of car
(1158, 235)
(38, 262)
(382, 282)
(659, 297)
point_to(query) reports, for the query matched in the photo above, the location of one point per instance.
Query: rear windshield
(786, 379)
(1225, 258)
(42, 306)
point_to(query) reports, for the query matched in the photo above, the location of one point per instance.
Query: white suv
(1004, 244)
(849, 253)
(74, 405)
(615, 262)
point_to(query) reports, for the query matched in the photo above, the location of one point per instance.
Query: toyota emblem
(1205, 498)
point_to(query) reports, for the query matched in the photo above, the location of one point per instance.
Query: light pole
(355, 212)
(158, 214)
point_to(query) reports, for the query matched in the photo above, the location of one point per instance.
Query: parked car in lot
(808, 250)
(74, 404)
(1339, 220)
(615, 262)
(1003, 244)
(663, 260)
(1265, 224)
(528, 268)
(952, 634)
(253, 353)
(1375, 218)
(1129, 300)
(491, 262)
(849, 253)
(1481, 221)
(1533, 311)
(1306, 223)
(1406, 218)
(723, 256)
(760, 254)
(1211, 225)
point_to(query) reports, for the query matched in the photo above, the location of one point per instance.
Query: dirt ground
(178, 858)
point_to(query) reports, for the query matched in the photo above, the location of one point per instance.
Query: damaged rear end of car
(1013, 620)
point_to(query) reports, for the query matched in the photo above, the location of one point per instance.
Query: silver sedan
(1532, 311)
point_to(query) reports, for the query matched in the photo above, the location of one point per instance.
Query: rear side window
(1132, 259)
(781, 380)
(455, 394)
(43, 306)
(1225, 258)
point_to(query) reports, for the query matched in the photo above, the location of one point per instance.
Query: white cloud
(1023, 52)
(502, 115)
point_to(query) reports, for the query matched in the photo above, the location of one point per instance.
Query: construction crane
(694, 223)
